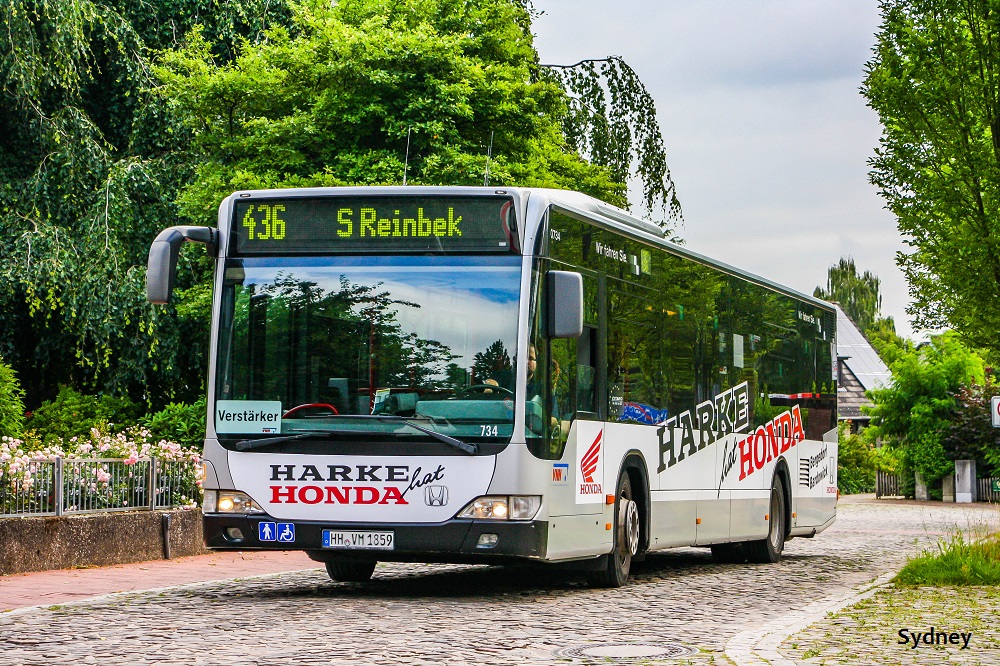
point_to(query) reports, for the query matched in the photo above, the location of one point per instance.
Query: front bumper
(454, 540)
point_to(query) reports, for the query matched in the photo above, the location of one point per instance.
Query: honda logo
(436, 495)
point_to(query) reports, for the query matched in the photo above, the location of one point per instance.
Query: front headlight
(229, 501)
(505, 507)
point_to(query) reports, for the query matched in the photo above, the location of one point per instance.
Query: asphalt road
(680, 606)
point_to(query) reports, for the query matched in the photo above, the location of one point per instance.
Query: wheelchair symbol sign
(286, 532)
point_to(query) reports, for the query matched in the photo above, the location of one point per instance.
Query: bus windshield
(326, 343)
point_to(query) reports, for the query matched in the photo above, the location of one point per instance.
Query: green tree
(859, 295)
(367, 91)
(856, 461)
(861, 298)
(72, 414)
(90, 164)
(914, 413)
(612, 121)
(97, 155)
(969, 434)
(935, 82)
(11, 402)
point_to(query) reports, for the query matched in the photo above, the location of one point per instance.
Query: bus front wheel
(626, 540)
(350, 571)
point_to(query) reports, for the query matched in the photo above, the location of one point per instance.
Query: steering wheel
(311, 405)
(485, 388)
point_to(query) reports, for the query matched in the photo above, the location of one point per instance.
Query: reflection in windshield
(430, 337)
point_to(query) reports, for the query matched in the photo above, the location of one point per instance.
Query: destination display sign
(316, 225)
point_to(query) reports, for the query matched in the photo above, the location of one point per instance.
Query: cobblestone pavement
(423, 614)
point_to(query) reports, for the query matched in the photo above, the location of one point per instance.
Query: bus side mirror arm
(162, 267)
(564, 293)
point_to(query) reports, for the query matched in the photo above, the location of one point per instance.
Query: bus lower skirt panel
(458, 541)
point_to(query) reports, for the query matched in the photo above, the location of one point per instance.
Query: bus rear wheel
(350, 571)
(769, 549)
(626, 539)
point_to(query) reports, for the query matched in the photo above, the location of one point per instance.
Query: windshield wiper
(249, 444)
(441, 437)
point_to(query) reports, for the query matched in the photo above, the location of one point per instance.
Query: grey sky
(767, 135)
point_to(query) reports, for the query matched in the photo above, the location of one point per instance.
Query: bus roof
(621, 220)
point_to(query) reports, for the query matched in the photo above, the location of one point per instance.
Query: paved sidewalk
(60, 586)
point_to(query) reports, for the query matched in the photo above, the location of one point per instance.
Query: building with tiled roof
(860, 369)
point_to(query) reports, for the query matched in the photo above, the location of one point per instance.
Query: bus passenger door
(574, 428)
(576, 497)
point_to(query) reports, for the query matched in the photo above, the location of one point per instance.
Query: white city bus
(484, 375)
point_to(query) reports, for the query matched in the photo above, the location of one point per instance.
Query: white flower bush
(26, 481)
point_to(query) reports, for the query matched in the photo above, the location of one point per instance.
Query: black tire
(626, 539)
(729, 553)
(350, 571)
(768, 549)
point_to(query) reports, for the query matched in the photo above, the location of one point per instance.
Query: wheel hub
(776, 521)
(629, 516)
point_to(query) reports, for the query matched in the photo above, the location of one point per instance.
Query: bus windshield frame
(323, 343)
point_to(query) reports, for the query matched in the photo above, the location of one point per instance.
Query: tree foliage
(179, 422)
(914, 412)
(861, 299)
(969, 433)
(612, 121)
(90, 164)
(122, 117)
(73, 414)
(856, 461)
(364, 91)
(935, 82)
(11, 402)
(858, 295)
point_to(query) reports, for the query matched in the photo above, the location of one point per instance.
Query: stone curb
(759, 647)
(116, 595)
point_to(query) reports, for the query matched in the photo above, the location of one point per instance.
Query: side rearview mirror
(162, 267)
(564, 295)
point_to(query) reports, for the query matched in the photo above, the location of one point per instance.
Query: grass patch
(957, 562)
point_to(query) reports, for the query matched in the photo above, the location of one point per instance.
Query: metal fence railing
(887, 485)
(77, 485)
